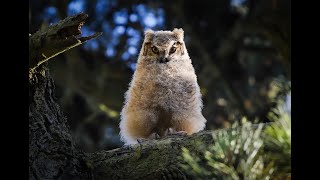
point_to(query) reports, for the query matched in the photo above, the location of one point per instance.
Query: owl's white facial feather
(163, 47)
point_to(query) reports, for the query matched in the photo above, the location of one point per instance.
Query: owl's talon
(178, 133)
(141, 140)
(172, 132)
(154, 136)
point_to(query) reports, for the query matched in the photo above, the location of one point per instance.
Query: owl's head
(163, 46)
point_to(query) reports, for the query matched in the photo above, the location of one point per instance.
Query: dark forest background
(240, 50)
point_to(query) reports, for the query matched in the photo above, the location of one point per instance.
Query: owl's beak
(164, 60)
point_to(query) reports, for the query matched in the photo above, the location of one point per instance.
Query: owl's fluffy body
(162, 95)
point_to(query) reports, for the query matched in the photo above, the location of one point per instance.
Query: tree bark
(52, 150)
(52, 153)
(154, 159)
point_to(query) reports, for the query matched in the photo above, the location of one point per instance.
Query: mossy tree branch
(153, 159)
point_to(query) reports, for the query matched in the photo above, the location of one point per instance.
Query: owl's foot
(141, 140)
(172, 132)
(178, 133)
(152, 136)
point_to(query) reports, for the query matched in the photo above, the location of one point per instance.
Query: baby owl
(164, 96)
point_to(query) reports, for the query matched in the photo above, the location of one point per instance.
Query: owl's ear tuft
(179, 33)
(148, 35)
(145, 49)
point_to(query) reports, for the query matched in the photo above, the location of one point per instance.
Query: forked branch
(55, 39)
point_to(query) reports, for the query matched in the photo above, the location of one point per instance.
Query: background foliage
(240, 50)
(247, 151)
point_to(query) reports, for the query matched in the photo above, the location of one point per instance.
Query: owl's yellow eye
(173, 49)
(155, 49)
